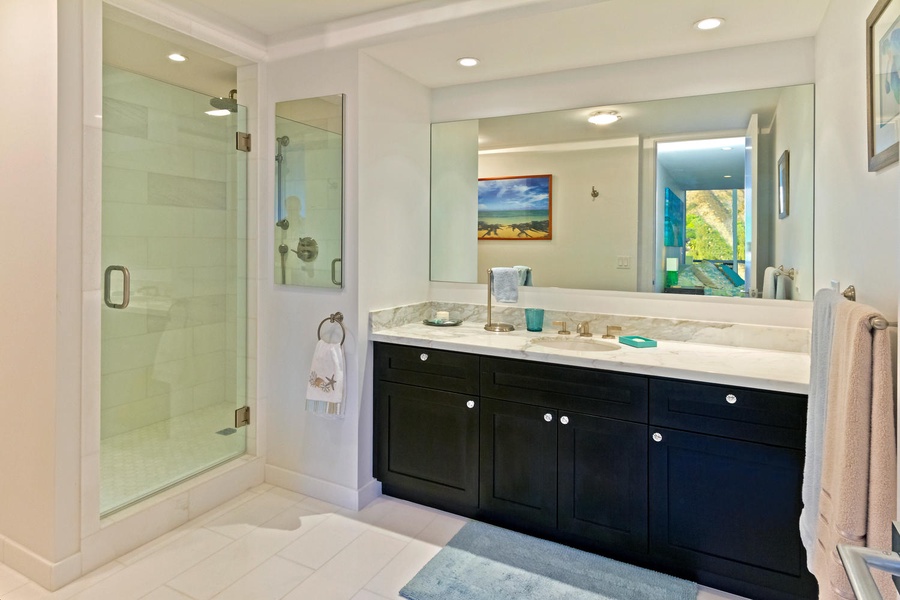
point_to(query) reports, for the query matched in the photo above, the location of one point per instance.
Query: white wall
(752, 67)
(588, 233)
(306, 452)
(793, 117)
(386, 227)
(394, 182)
(38, 506)
(856, 211)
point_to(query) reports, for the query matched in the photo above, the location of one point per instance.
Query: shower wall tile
(125, 118)
(123, 387)
(208, 338)
(209, 393)
(209, 367)
(185, 191)
(146, 221)
(155, 157)
(121, 323)
(127, 186)
(211, 223)
(211, 165)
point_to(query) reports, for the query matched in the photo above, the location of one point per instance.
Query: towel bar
(874, 322)
(334, 318)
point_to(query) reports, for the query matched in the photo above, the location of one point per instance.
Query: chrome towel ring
(334, 318)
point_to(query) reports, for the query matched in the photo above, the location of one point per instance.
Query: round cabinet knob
(548, 417)
(564, 420)
(657, 437)
(423, 356)
(470, 404)
(730, 398)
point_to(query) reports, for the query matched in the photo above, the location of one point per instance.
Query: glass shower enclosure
(174, 319)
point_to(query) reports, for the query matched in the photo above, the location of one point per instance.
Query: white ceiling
(423, 38)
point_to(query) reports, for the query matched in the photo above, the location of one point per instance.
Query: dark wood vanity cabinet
(426, 426)
(552, 459)
(698, 480)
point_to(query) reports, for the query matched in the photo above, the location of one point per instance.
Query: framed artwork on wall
(883, 82)
(784, 184)
(515, 208)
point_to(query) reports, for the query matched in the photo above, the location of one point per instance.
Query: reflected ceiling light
(177, 57)
(709, 23)
(727, 176)
(604, 118)
(467, 61)
(222, 112)
(726, 148)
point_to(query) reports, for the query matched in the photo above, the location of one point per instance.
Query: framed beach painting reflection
(883, 79)
(515, 208)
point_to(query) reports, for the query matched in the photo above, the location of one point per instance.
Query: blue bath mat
(483, 562)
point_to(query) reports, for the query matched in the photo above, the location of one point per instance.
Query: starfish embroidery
(329, 384)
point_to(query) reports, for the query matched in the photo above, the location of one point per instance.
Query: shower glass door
(174, 319)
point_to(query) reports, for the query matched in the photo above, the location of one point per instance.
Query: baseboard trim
(51, 575)
(353, 499)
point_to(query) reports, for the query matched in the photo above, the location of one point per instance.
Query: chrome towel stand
(874, 322)
(334, 318)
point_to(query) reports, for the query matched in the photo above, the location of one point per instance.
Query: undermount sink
(577, 344)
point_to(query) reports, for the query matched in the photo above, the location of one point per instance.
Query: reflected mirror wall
(309, 191)
(609, 194)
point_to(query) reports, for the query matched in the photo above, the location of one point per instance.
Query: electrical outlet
(623, 262)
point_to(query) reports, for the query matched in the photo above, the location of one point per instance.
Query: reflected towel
(768, 290)
(524, 274)
(325, 389)
(782, 287)
(505, 284)
(859, 471)
(819, 364)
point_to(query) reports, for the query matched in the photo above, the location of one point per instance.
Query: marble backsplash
(787, 339)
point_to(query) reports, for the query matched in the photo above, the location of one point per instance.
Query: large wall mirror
(709, 195)
(309, 191)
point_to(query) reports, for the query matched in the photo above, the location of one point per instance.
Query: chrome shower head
(229, 103)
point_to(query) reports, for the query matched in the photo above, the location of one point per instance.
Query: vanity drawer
(425, 367)
(741, 413)
(593, 392)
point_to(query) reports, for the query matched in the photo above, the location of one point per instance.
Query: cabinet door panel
(427, 442)
(728, 507)
(603, 480)
(518, 462)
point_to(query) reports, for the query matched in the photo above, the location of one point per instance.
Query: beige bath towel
(857, 503)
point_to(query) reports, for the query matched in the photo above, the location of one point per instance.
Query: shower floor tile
(146, 460)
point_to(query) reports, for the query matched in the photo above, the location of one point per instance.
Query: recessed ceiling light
(604, 118)
(222, 112)
(709, 23)
(467, 61)
(175, 56)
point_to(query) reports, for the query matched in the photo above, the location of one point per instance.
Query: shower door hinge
(242, 416)
(242, 141)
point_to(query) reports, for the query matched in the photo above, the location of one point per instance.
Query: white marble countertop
(747, 367)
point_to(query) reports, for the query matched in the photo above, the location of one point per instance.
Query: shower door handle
(334, 278)
(126, 286)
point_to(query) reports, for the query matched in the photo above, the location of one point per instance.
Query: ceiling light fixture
(222, 112)
(604, 118)
(467, 61)
(709, 23)
(727, 176)
(177, 57)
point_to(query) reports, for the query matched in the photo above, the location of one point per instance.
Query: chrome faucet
(584, 329)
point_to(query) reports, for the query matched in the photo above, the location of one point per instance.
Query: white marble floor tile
(274, 544)
(165, 593)
(324, 541)
(141, 578)
(269, 581)
(403, 567)
(344, 575)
